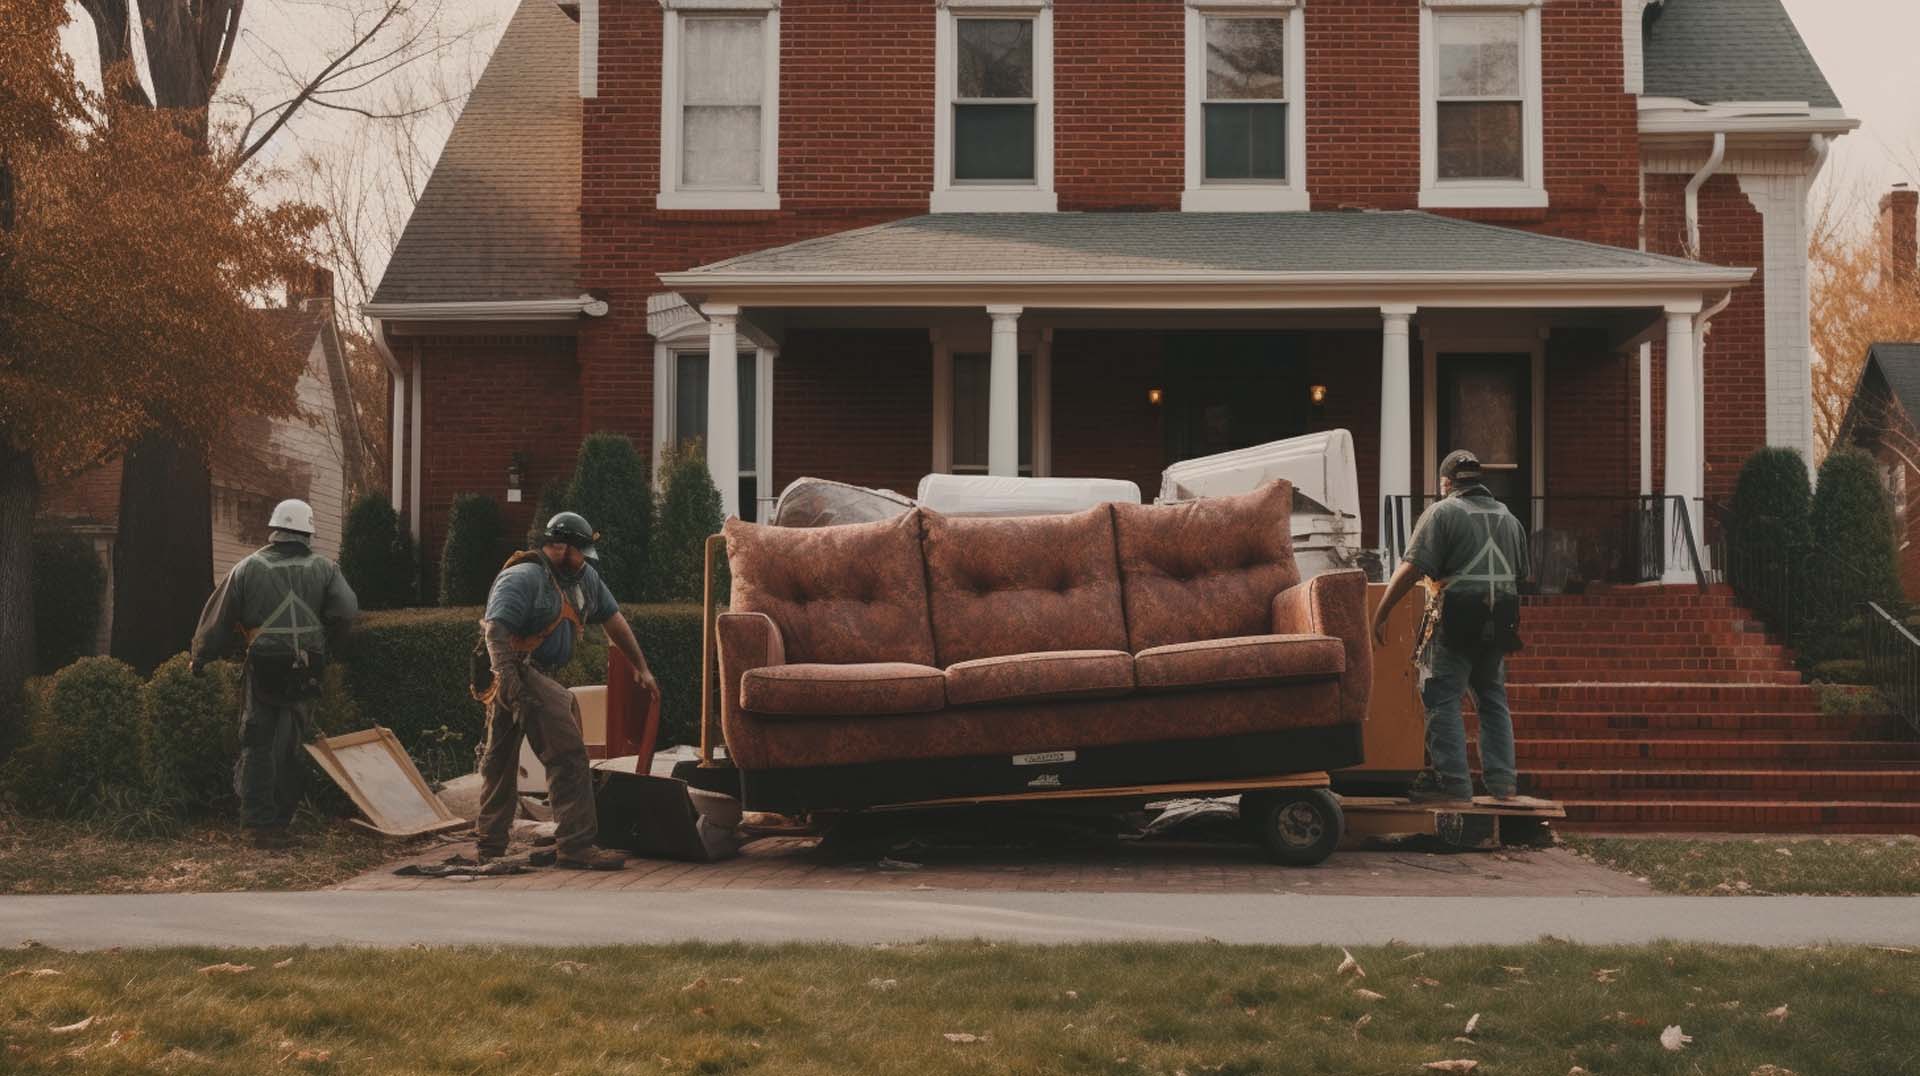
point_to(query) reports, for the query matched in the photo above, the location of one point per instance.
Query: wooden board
(1188, 788)
(373, 769)
(1396, 730)
(1528, 806)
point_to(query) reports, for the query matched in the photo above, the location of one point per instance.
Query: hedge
(690, 511)
(1853, 521)
(407, 670)
(376, 554)
(193, 732)
(69, 588)
(612, 489)
(475, 548)
(1772, 502)
(85, 729)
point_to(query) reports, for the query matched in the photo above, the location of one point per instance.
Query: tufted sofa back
(1022, 585)
(840, 595)
(1205, 569)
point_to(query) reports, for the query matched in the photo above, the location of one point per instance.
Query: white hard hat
(292, 516)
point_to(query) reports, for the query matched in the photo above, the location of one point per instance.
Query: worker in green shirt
(1472, 548)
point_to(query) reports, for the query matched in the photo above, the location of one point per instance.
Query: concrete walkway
(587, 917)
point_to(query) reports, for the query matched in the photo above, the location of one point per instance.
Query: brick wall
(1103, 424)
(854, 407)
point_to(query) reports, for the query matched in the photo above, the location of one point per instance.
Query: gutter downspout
(1699, 180)
(397, 418)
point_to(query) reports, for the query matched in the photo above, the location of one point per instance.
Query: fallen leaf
(697, 984)
(1783, 851)
(1887, 949)
(1729, 1004)
(1350, 965)
(119, 1037)
(735, 981)
(36, 973)
(570, 967)
(1779, 1015)
(1460, 1065)
(703, 1010)
(1673, 1039)
(1472, 1022)
(1606, 975)
(287, 963)
(1412, 956)
(309, 1057)
(1424, 981)
(226, 969)
(1368, 995)
(883, 984)
(964, 1036)
(1365, 1019)
(1578, 1071)
(1511, 970)
(1771, 1070)
(72, 1028)
(1463, 1038)
(1073, 995)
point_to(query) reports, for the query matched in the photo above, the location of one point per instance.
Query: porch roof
(1320, 258)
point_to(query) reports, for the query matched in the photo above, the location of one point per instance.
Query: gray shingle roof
(1731, 50)
(1118, 244)
(500, 217)
(1900, 365)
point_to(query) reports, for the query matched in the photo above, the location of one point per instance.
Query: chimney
(1899, 218)
(313, 288)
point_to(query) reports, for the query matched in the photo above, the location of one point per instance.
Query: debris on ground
(1472, 1022)
(226, 969)
(1461, 1065)
(1779, 1015)
(1673, 1039)
(70, 1029)
(965, 1036)
(1350, 965)
(458, 866)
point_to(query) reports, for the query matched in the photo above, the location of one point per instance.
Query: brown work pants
(547, 715)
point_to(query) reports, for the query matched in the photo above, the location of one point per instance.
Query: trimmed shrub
(407, 670)
(84, 743)
(553, 501)
(612, 489)
(1841, 671)
(1853, 522)
(476, 547)
(690, 512)
(69, 587)
(376, 556)
(192, 733)
(1772, 503)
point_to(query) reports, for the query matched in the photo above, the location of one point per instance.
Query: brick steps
(1639, 640)
(1656, 697)
(1604, 653)
(1727, 727)
(1695, 671)
(1739, 816)
(1695, 754)
(1677, 785)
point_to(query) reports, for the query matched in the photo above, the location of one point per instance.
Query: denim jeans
(271, 768)
(1483, 670)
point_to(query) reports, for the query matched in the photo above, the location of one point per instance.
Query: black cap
(1460, 465)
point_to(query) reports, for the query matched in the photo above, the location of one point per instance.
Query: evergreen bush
(376, 555)
(612, 489)
(192, 733)
(69, 589)
(84, 740)
(476, 547)
(1772, 505)
(1853, 524)
(553, 501)
(690, 511)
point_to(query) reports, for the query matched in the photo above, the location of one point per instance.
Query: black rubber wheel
(1299, 828)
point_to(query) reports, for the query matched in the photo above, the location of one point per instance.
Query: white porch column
(1683, 476)
(1003, 393)
(1646, 420)
(723, 404)
(1396, 411)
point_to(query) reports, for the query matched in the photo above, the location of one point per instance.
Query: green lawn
(962, 1008)
(39, 856)
(1830, 866)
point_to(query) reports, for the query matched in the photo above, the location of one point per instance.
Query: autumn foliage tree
(1858, 301)
(126, 307)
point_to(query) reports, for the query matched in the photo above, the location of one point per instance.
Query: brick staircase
(1666, 709)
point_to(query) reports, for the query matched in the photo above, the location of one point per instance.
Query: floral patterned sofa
(930, 656)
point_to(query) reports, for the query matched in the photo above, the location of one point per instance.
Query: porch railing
(1893, 663)
(1576, 539)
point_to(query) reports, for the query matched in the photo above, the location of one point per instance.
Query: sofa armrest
(1334, 604)
(746, 641)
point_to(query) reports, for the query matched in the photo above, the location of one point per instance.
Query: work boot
(1428, 790)
(484, 856)
(591, 859)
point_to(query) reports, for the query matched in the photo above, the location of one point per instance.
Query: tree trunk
(18, 489)
(163, 555)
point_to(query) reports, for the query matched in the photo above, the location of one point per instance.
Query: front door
(1486, 405)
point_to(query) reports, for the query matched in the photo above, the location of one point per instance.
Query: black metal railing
(1798, 591)
(1578, 539)
(1893, 663)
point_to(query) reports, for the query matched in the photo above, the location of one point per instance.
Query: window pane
(1246, 59)
(690, 396)
(1480, 140)
(749, 505)
(993, 142)
(722, 62)
(721, 147)
(996, 57)
(971, 373)
(749, 414)
(1479, 55)
(1245, 141)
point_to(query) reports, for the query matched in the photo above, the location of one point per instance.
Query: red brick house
(1091, 237)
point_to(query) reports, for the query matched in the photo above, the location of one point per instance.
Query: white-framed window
(1481, 129)
(993, 108)
(680, 409)
(720, 105)
(962, 372)
(1246, 143)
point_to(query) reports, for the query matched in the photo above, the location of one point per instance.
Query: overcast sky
(1866, 48)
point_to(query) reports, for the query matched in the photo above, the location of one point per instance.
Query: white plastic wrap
(995, 495)
(820, 502)
(1320, 466)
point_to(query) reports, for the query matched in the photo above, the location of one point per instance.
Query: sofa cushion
(1206, 569)
(872, 688)
(1052, 675)
(1019, 585)
(1248, 659)
(840, 595)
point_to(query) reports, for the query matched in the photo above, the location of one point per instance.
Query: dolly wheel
(1300, 828)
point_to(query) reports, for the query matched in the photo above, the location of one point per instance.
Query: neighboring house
(1092, 237)
(312, 455)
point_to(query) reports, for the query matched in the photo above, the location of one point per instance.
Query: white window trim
(589, 49)
(950, 197)
(672, 196)
(1039, 352)
(1527, 193)
(1291, 195)
(687, 336)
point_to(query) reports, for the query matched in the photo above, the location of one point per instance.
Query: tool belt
(287, 678)
(1469, 622)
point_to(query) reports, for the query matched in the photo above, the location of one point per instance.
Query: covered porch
(1111, 345)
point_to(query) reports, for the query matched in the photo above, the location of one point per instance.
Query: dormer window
(993, 132)
(719, 123)
(1246, 134)
(1481, 131)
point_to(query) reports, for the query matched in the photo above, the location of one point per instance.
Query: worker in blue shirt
(539, 604)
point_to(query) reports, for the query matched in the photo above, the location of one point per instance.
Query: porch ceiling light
(1318, 393)
(1155, 395)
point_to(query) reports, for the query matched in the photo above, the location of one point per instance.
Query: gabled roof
(1898, 366)
(499, 219)
(1123, 246)
(1715, 51)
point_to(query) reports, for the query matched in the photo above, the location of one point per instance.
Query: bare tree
(1856, 303)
